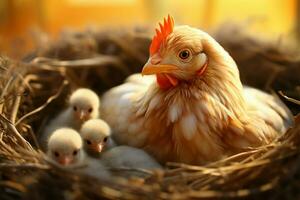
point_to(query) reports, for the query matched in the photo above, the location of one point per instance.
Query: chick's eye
(184, 54)
(90, 110)
(105, 139)
(75, 108)
(56, 154)
(88, 142)
(75, 152)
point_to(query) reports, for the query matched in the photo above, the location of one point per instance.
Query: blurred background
(22, 20)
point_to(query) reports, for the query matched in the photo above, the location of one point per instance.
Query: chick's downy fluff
(96, 135)
(84, 104)
(129, 157)
(193, 107)
(65, 148)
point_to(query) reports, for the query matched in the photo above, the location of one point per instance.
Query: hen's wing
(270, 108)
(265, 118)
(118, 109)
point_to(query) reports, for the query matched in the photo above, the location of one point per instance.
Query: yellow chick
(83, 105)
(96, 135)
(65, 147)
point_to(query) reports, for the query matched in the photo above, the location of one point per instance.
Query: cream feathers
(83, 105)
(96, 135)
(65, 147)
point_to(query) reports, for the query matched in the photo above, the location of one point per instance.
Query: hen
(196, 111)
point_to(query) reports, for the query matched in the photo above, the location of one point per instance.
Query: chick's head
(84, 104)
(95, 134)
(65, 147)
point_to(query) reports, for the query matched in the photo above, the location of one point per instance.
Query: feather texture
(201, 119)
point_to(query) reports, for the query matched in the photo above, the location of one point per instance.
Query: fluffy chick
(83, 105)
(65, 148)
(129, 157)
(96, 135)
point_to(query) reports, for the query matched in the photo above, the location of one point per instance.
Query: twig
(96, 61)
(15, 109)
(4, 92)
(289, 98)
(10, 97)
(23, 165)
(49, 100)
(7, 149)
(26, 81)
(1, 135)
(239, 155)
(238, 193)
(32, 135)
(13, 185)
(17, 134)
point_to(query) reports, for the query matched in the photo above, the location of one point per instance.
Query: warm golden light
(17, 17)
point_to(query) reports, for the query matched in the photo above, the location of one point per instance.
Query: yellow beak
(65, 160)
(158, 69)
(82, 115)
(97, 147)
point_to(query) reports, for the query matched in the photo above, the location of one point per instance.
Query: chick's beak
(97, 147)
(65, 160)
(82, 115)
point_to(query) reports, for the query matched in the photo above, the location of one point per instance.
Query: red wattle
(163, 81)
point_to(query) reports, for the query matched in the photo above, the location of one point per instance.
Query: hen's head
(182, 53)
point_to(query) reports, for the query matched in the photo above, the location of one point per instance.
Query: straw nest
(34, 89)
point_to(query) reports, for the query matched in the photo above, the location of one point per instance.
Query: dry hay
(32, 91)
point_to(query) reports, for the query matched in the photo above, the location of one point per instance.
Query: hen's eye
(105, 139)
(88, 142)
(75, 108)
(184, 54)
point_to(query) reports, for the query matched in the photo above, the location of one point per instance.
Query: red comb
(161, 34)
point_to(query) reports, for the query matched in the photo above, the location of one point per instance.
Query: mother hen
(196, 111)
